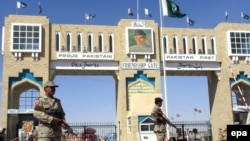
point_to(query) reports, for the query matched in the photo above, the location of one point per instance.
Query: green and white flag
(89, 16)
(147, 13)
(20, 4)
(130, 12)
(226, 15)
(190, 21)
(171, 9)
(40, 8)
(244, 16)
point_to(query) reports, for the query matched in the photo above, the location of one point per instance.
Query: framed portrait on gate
(139, 40)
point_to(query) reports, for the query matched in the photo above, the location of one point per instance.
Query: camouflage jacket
(159, 126)
(45, 116)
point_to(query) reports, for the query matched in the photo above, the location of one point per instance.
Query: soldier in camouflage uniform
(48, 110)
(160, 120)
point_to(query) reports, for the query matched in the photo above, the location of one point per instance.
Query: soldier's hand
(37, 104)
(161, 119)
(56, 121)
(64, 125)
(171, 124)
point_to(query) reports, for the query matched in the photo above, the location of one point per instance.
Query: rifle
(166, 120)
(57, 115)
(68, 128)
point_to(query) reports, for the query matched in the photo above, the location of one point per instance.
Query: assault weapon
(166, 120)
(57, 115)
(68, 128)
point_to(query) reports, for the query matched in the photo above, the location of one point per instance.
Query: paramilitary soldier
(48, 110)
(160, 120)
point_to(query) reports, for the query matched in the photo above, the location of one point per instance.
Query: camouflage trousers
(160, 136)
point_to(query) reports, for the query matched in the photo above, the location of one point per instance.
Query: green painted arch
(25, 76)
(241, 77)
(140, 76)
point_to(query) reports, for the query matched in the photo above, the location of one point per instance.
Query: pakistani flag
(190, 21)
(244, 16)
(147, 13)
(21, 4)
(226, 15)
(40, 8)
(130, 12)
(171, 9)
(89, 16)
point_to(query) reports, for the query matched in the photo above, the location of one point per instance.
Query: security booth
(240, 115)
(146, 128)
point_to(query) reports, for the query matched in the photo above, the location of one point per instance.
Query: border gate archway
(35, 50)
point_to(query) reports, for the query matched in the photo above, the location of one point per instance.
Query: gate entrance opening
(87, 98)
(188, 98)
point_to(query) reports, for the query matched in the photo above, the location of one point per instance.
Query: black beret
(158, 99)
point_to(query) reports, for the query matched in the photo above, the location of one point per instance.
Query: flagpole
(226, 15)
(85, 20)
(194, 115)
(164, 71)
(16, 7)
(145, 14)
(128, 12)
(137, 9)
(241, 14)
(187, 21)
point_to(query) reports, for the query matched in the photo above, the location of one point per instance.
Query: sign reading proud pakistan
(87, 56)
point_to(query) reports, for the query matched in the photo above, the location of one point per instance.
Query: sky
(83, 102)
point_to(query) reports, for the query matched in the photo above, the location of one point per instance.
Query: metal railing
(191, 129)
(103, 130)
(106, 131)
